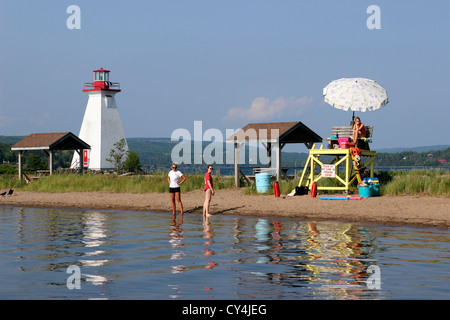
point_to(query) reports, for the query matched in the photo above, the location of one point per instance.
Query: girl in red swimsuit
(359, 131)
(209, 191)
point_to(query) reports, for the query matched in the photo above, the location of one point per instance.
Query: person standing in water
(174, 178)
(209, 191)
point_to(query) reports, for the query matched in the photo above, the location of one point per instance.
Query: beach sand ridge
(391, 210)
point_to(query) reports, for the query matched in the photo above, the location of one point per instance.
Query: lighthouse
(101, 127)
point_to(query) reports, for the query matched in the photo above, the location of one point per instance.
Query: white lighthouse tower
(101, 127)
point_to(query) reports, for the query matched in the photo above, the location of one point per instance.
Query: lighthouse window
(101, 76)
(96, 76)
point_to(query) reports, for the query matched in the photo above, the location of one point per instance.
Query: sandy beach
(399, 210)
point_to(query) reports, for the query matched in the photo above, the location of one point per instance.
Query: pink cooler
(341, 142)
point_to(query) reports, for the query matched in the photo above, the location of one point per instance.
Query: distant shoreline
(423, 211)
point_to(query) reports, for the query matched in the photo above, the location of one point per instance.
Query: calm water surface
(144, 255)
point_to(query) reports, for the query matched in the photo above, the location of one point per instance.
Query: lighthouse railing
(111, 85)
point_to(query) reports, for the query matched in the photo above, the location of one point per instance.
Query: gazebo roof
(51, 141)
(288, 132)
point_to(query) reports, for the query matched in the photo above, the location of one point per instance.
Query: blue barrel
(262, 182)
(365, 191)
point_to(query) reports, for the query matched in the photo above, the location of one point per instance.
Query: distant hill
(415, 149)
(155, 155)
(10, 139)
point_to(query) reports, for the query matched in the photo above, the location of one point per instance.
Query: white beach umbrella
(356, 94)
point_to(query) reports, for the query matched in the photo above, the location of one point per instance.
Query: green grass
(9, 181)
(418, 182)
(110, 182)
(415, 182)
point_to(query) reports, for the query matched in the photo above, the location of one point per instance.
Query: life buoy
(356, 152)
(313, 190)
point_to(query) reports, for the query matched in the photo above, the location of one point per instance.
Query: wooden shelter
(49, 142)
(272, 135)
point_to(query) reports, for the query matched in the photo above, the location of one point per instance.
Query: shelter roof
(286, 132)
(51, 141)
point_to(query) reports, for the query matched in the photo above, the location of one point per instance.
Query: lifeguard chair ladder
(307, 170)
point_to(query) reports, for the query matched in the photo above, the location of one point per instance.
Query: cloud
(265, 109)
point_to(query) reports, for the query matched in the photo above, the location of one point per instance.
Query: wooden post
(50, 161)
(236, 164)
(311, 174)
(347, 171)
(278, 159)
(372, 167)
(21, 153)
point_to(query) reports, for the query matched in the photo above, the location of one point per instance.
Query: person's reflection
(209, 236)
(276, 242)
(174, 221)
(176, 240)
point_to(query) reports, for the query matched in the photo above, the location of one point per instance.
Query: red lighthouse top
(101, 82)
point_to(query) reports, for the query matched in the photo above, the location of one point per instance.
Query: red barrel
(276, 189)
(313, 190)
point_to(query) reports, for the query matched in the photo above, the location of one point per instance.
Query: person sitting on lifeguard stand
(359, 131)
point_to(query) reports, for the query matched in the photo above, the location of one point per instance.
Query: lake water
(72, 254)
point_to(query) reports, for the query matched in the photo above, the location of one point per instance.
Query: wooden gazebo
(272, 135)
(49, 142)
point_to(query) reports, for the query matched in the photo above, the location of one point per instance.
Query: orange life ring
(356, 151)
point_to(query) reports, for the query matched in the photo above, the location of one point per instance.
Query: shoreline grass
(87, 182)
(418, 182)
(413, 182)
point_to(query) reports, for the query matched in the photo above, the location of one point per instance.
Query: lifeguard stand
(336, 159)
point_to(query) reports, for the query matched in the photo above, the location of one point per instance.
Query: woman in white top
(174, 187)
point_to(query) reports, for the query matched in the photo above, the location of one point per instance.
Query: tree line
(155, 155)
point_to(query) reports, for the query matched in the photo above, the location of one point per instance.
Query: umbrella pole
(353, 120)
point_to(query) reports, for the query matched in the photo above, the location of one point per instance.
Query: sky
(226, 63)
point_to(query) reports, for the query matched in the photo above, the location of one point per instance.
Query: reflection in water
(330, 257)
(336, 253)
(176, 241)
(177, 244)
(94, 234)
(143, 255)
(209, 241)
